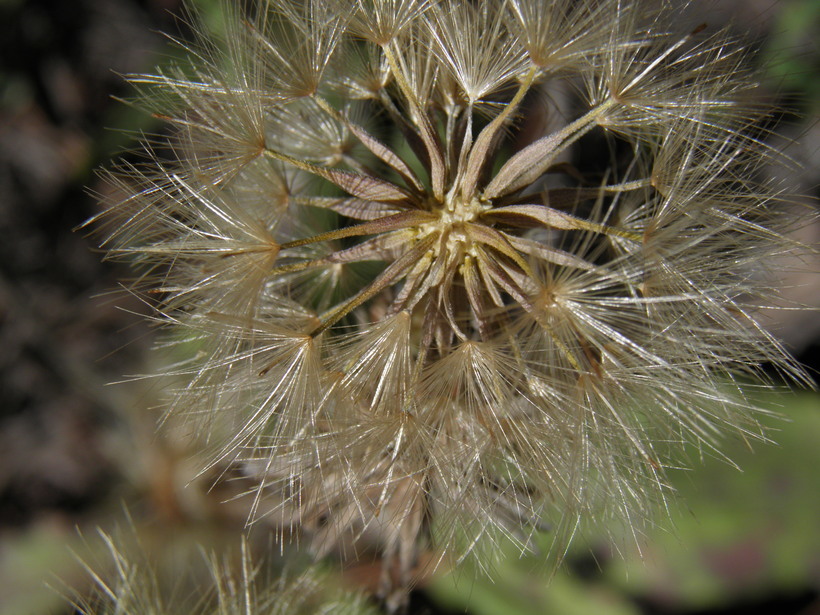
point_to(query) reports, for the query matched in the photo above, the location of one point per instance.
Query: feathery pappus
(443, 271)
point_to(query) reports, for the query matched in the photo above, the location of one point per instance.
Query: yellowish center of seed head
(453, 213)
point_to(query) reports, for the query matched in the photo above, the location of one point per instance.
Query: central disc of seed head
(454, 213)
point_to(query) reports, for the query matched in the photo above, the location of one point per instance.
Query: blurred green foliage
(792, 51)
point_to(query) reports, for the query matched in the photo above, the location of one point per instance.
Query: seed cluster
(422, 301)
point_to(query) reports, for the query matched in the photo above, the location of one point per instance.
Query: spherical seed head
(416, 321)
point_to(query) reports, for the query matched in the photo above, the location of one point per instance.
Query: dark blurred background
(72, 448)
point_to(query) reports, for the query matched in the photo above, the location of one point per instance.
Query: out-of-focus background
(75, 452)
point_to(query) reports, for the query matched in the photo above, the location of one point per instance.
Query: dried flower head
(419, 297)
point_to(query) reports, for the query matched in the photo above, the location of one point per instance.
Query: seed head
(410, 310)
